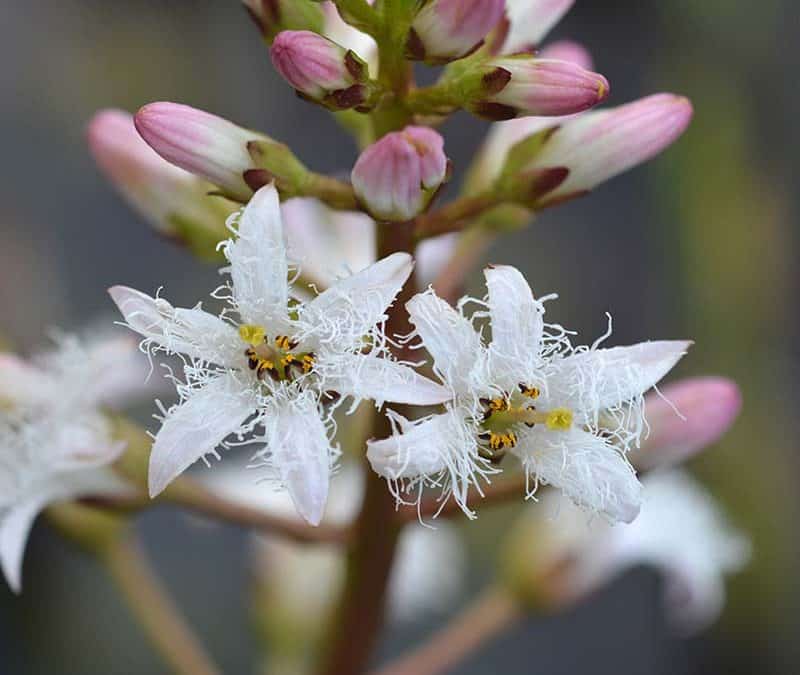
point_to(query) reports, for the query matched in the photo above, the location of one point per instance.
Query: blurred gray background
(701, 243)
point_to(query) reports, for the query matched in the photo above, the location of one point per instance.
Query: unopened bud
(173, 201)
(599, 145)
(274, 16)
(519, 86)
(445, 30)
(203, 144)
(686, 417)
(321, 70)
(396, 178)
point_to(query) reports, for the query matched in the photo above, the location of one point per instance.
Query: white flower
(55, 444)
(531, 20)
(272, 368)
(569, 414)
(681, 531)
(328, 243)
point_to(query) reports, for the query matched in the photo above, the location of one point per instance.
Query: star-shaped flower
(272, 367)
(569, 414)
(55, 444)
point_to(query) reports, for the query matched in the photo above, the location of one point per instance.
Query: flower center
(503, 413)
(277, 358)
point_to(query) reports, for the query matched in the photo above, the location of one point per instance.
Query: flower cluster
(339, 292)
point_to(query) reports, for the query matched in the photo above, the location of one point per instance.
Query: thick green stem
(335, 193)
(371, 554)
(156, 613)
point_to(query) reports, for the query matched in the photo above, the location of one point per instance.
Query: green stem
(156, 613)
(360, 14)
(438, 99)
(335, 193)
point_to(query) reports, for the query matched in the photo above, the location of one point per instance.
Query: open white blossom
(569, 414)
(55, 444)
(270, 367)
(681, 531)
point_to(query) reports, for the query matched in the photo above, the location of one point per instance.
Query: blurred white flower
(55, 444)
(328, 244)
(570, 414)
(681, 531)
(273, 369)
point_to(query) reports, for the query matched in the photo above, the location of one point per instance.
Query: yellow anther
(282, 342)
(530, 392)
(252, 334)
(308, 363)
(286, 360)
(502, 441)
(559, 419)
(498, 404)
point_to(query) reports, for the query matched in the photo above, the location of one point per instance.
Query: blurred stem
(371, 554)
(491, 613)
(188, 494)
(335, 193)
(154, 610)
(451, 217)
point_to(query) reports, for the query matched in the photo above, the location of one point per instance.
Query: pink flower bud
(172, 200)
(204, 144)
(396, 178)
(542, 87)
(320, 69)
(709, 406)
(567, 50)
(599, 145)
(445, 30)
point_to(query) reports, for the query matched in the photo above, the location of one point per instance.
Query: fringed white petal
(605, 378)
(196, 427)
(259, 269)
(517, 326)
(193, 332)
(381, 380)
(83, 442)
(22, 383)
(439, 451)
(589, 470)
(15, 526)
(340, 316)
(300, 452)
(458, 354)
(531, 21)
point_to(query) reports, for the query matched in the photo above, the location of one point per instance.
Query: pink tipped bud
(320, 70)
(396, 178)
(542, 87)
(172, 200)
(600, 145)
(204, 144)
(567, 50)
(709, 406)
(445, 30)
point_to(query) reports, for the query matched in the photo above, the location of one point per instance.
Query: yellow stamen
(252, 334)
(559, 419)
(529, 392)
(282, 342)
